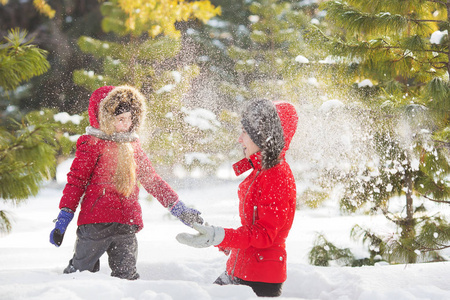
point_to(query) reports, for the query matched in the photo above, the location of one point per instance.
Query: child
(109, 162)
(267, 203)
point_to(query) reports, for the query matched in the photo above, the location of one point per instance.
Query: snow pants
(261, 289)
(117, 240)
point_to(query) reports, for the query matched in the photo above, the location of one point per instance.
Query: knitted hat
(262, 123)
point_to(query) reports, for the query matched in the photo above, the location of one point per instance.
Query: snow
(253, 18)
(330, 105)
(201, 118)
(365, 83)
(176, 76)
(64, 117)
(313, 81)
(166, 88)
(301, 59)
(436, 37)
(315, 21)
(31, 268)
(328, 60)
(203, 158)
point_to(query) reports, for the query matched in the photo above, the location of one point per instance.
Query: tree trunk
(408, 227)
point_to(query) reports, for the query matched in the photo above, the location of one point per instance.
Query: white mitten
(206, 236)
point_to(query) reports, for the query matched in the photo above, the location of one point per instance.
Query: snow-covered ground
(31, 268)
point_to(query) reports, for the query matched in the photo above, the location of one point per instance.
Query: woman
(104, 177)
(267, 203)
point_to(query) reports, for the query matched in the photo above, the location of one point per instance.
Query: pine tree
(142, 52)
(20, 61)
(266, 65)
(26, 148)
(394, 44)
(211, 42)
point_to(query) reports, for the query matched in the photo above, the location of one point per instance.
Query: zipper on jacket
(255, 209)
(246, 193)
(98, 198)
(243, 213)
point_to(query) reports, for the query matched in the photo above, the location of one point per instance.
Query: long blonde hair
(125, 174)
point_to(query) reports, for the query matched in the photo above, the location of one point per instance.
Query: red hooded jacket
(266, 209)
(91, 175)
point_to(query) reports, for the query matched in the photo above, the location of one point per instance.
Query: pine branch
(387, 214)
(5, 223)
(434, 200)
(436, 1)
(27, 158)
(20, 61)
(429, 21)
(435, 65)
(18, 144)
(445, 144)
(428, 249)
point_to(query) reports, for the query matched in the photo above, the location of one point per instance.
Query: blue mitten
(189, 216)
(63, 220)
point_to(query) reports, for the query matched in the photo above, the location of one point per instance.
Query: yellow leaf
(155, 30)
(159, 16)
(44, 8)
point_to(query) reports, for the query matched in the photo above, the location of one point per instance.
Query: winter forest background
(370, 80)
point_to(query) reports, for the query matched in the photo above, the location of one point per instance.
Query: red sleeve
(272, 213)
(82, 167)
(152, 182)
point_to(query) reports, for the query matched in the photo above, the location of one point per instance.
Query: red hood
(289, 120)
(97, 96)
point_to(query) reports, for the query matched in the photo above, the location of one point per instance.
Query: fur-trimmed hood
(104, 101)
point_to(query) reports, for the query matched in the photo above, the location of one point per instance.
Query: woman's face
(123, 122)
(248, 145)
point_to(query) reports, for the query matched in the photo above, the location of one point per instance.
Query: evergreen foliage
(58, 35)
(142, 52)
(324, 252)
(27, 156)
(211, 43)
(264, 65)
(20, 60)
(394, 45)
(27, 148)
(390, 42)
(27, 159)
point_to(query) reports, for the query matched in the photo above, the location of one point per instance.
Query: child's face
(123, 122)
(248, 145)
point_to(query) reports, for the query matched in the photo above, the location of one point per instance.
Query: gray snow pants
(117, 240)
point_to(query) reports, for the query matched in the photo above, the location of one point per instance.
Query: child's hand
(189, 216)
(63, 220)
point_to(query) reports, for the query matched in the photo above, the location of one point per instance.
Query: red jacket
(92, 173)
(266, 209)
